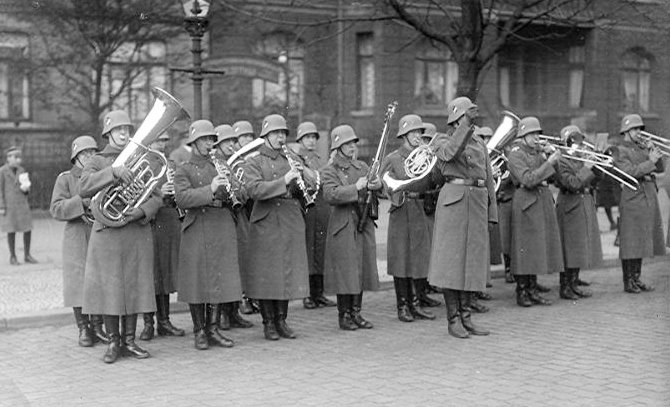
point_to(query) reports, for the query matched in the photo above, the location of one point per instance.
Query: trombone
(654, 141)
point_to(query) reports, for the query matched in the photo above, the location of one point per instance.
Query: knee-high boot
(637, 271)
(465, 301)
(455, 325)
(627, 268)
(267, 310)
(522, 299)
(147, 333)
(401, 296)
(421, 289)
(320, 299)
(281, 312)
(236, 320)
(214, 335)
(129, 346)
(85, 333)
(509, 277)
(114, 346)
(198, 316)
(99, 334)
(356, 305)
(310, 301)
(163, 325)
(344, 313)
(533, 291)
(414, 303)
(573, 276)
(565, 291)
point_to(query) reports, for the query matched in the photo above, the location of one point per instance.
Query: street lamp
(196, 22)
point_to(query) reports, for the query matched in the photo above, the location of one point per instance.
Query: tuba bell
(111, 205)
(504, 134)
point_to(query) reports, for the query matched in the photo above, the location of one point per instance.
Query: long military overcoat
(640, 224)
(17, 216)
(504, 199)
(459, 258)
(118, 278)
(166, 228)
(277, 254)
(576, 215)
(351, 257)
(208, 256)
(536, 242)
(409, 229)
(67, 205)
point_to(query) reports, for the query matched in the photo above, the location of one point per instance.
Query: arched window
(14, 79)
(636, 80)
(435, 76)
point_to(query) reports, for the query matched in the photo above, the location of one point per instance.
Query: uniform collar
(76, 171)
(198, 159)
(303, 152)
(110, 150)
(270, 152)
(343, 162)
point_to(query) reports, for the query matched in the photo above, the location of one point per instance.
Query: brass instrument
(170, 180)
(223, 170)
(236, 161)
(504, 134)
(309, 198)
(112, 205)
(657, 142)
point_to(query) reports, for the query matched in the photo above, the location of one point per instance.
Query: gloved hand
(122, 173)
(134, 215)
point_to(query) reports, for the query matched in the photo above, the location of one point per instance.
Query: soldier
(118, 280)
(166, 228)
(15, 213)
(278, 269)
(351, 259)
(460, 254)
(640, 227)
(316, 219)
(181, 154)
(244, 132)
(429, 206)
(536, 244)
(67, 205)
(209, 273)
(409, 239)
(577, 218)
(504, 199)
(495, 250)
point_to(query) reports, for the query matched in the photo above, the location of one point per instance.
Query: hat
(306, 128)
(12, 149)
(631, 121)
(224, 132)
(528, 125)
(273, 122)
(113, 119)
(243, 127)
(457, 108)
(569, 131)
(82, 143)
(198, 129)
(484, 131)
(408, 123)
(340, 135)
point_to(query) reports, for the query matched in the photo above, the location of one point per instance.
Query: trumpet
(309, 198)
(657, 142)
(223, 170)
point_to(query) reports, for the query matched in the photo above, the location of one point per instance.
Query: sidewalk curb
(64, 316)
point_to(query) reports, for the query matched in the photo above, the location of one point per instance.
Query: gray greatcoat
(351, 257)
(504, 199)
(119, 263)
(17, 216)
(166, 228)
(67, 205)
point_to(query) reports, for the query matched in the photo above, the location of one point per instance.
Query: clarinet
(223, 171)
(309, 199)
(170, 179)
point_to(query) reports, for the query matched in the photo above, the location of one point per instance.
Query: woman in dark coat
(67, 205)
(351, 257)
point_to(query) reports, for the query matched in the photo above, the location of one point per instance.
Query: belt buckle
(480, 183)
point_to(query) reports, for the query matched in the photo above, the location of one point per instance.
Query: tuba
(504, 134)
(236, 161)
(111, 205)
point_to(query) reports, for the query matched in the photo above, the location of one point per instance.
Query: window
(636, 77)
(576, 87)
(436, 76)
(14, 79)
(366, 70)
(131, 74)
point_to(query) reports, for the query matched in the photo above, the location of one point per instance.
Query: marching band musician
(351, 259)
(640, 228)
(166, 228)
(409, 239)
(504, 199)
(118, 280)
(459, 257)
(278, 270)
(536, 244)
(209, 273)
(316, 220)
(67, 205)
(577, 218)
(244, 132)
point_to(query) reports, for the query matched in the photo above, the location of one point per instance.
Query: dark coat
(180, 155)
(208, 261)
(316, 219)
(409, 229)
(351, 257)
(504, 198)
(67, 205)
(166, 228)
(459, 257)
(119, 264)
(640, 225)
(536, 242)
(576, 215)
(277, 254)
(17, 216)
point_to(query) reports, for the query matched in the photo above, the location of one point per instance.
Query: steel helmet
(430, 131)
(340, 135)
(631, 121)
(408, 123)
(457, 108)
(113, 119)
(224, 132)
(528, 125)
(82, 143)
(200, 128)
(273, 122)
(569, 131)
(243, 127)
(484, 131)
(306, 128)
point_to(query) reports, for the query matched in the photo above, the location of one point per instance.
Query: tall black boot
(421, 289)
(636, 272)
(533, 292)
(214, 335)
(222, 318)
(581, 282)
(343, 313)
(465, 300)
(509, 277)
(85, 333)
(522, 298)
(309, 302)
(565, 290)
(114, 346)
(572, 276)
(356, 305)
(318, 296)
(281, 312)
(401, 296)
(474, 304)
(537, 286)
(267, 310)
(455, 325)
(129, 346)
(248, 306)
(147, 333)
(414, 303)
(99, 334)
(26, 248)
(164, 326)
(11, 241)
(627, 267)
(198, 316)
(232, 309)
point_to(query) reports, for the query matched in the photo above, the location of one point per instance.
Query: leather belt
(469, 182)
